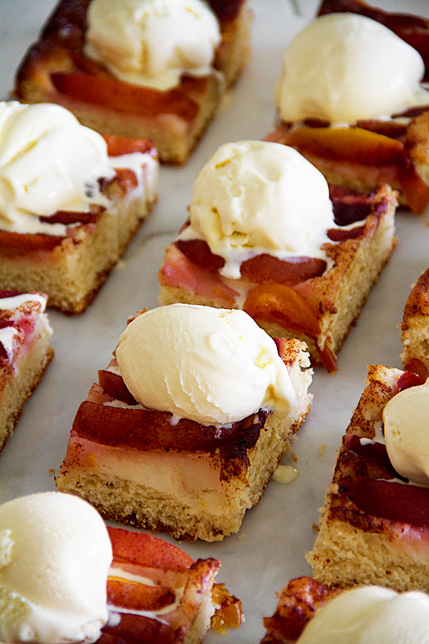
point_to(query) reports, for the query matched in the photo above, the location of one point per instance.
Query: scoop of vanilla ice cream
(406, 431)
(152, 42)
(256, 197)
(48, 162)
(214, 366)
(371, 615)
(344, 67)
(55, 554)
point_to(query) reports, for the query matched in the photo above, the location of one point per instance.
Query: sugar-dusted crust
(415, 324)
(334, 299)
(175, 598)
(75, 267)
(18, 380)
(55, 70)
(210, 476)
(374, 528)
(394, 151)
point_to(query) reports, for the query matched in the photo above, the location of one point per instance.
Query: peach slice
(358, 146)
(124, 97)
(147, 550)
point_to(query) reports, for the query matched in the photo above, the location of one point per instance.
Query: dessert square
(57, 69)
(175, 598)
(359, 148)
(374, 526)
(66, 577)
(296, 297)
(24, 353)
(414, 327)
(167, 472)
(71, 204)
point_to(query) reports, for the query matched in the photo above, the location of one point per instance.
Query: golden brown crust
(22, 391)
(418, 300)
(417, 144)
(55, 65)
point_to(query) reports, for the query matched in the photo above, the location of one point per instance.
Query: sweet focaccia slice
(56, 70)
(210, 475)
(415, 327)
(299, 297)
(375, 524)
(157, 593)
(390, 149)
(24, 353)
(73, 265)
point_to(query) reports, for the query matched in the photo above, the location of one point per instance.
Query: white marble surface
(269, 549)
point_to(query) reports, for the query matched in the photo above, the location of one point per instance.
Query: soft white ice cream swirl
(214, 366)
